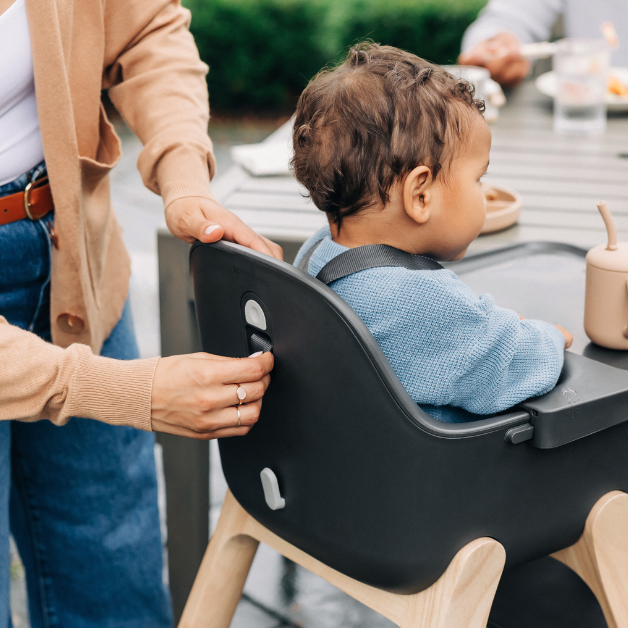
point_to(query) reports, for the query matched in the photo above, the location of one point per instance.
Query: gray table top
(560, 179)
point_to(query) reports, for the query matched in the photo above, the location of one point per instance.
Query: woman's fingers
(187, 221)
(242, 370)
(215, 369)
(227, 396)
(221, 358)
(196, 393)
(205, 219)
(177, 430)
(232, 431)
(275, 249)
(226, 418)
(212, 424)
(236, 231)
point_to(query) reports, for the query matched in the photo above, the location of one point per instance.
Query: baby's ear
(417, 194)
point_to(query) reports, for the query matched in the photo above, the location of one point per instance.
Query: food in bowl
(616, 86)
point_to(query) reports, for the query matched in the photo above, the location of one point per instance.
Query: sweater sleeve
(493, 359)
(157, 82)
(508, 361)
(43, 381)
(450, 347)
(529, 20)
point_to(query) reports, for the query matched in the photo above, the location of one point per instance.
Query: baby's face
(461, 206)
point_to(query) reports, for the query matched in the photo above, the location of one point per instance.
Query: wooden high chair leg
(600, 557)
(460, 598)
(220, 579)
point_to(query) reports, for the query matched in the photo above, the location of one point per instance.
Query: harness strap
(365, 257)
(305, 260)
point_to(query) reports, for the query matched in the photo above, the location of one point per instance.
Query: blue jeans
(80, 500)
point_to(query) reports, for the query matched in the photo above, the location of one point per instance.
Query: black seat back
(373, 486)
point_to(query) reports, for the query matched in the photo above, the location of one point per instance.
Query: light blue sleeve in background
(529, 20)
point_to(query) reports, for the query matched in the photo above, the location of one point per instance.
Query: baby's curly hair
(367, 123)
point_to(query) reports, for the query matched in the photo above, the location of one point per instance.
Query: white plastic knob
(273, 497)
(254, 314)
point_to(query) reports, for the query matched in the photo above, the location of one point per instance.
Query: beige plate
(503, 207)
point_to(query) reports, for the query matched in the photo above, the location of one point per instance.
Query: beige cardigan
(142, 51)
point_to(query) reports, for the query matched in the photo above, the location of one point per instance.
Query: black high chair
(345, 475)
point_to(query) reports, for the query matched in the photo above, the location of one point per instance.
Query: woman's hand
(501, 56)
(197, 218)
(193, 395)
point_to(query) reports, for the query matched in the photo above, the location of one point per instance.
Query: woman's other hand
(197, 218)
(194, 395)
(501, 56)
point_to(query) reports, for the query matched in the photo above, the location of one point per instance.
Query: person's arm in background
(493, 40)
(157, 82)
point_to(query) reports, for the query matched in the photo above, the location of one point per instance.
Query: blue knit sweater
(448, 346)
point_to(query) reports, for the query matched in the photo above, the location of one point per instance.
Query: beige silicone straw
(610, 226)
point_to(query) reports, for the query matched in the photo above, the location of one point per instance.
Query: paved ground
(277, 593)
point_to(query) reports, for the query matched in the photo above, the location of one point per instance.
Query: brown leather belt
(33, 203)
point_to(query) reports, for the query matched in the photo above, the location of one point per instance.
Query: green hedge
(261, 53)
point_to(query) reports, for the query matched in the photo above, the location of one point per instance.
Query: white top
(20, 139)
(533, 20)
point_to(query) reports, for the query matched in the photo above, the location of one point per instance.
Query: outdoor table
(560, 179)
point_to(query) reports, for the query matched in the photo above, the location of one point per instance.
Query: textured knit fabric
(448, 346)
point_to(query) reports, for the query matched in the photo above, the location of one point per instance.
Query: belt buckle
(27, 195)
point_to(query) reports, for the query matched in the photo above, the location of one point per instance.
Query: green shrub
(431, 29)
(261, 53)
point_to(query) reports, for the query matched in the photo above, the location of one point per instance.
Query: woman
(83, 506)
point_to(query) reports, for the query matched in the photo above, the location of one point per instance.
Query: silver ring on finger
(239, 416)
(241, 394)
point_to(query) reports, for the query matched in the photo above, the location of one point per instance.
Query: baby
(393, 149)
